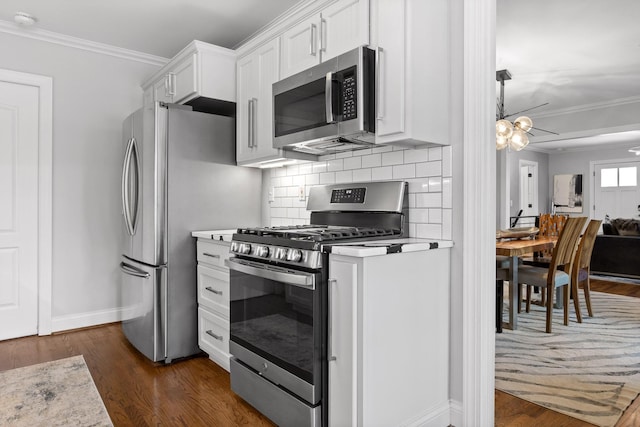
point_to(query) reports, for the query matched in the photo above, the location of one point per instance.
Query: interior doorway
(25, 204)
(528, 191)
(616, 190)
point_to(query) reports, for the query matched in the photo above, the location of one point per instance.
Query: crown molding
(588, 107)
(78, 43)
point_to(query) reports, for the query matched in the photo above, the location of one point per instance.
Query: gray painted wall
(92, 94)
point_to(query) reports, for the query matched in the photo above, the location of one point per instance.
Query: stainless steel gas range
(280, 299)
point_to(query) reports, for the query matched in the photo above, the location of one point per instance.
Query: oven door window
(300, 109)
(279, 322)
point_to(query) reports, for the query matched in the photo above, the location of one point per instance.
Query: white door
(616, 191)
(18, 210)
(528, 189)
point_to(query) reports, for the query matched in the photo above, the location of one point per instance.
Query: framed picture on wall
(567, 193)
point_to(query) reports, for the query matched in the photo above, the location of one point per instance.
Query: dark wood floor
(196, 392)
(514, 412)
(136, 392)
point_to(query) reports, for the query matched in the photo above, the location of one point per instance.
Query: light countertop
(384, 247)
(220, 235)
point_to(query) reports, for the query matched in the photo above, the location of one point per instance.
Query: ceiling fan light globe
(504, 128)
(501, 143)
(524, 123)
(519, 140)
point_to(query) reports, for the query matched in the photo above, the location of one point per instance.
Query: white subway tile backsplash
(326, 157)
(344, 176)
(372, 161)
(404, 171)
(328, 178)
(393, 158)
(361, 175)
(381, 174)
(415, 156)
(335, 165)
(427, 170)
(353, 163)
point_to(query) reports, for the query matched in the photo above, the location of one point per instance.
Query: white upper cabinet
(338, 28)
(199, 70)
(414, 67)
(256, 74)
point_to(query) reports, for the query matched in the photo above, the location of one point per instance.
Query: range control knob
(262, 251)
(234, 246)
(281, 253)
(294, 255)
(244, 248)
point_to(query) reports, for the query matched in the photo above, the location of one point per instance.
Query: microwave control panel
(349, 94)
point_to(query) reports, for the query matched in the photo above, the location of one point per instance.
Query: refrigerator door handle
(125, 187)
(133, 271)
(134, 216)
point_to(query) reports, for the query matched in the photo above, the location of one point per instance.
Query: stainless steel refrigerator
(179, 174)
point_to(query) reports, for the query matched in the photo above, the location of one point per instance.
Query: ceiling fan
(513, 135)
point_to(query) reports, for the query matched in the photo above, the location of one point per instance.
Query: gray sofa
(617, 251)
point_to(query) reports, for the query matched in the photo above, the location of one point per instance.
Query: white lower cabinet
(213, 300)
(389, 339)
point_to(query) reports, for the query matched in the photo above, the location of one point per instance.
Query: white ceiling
(157, 27)
(569, 53)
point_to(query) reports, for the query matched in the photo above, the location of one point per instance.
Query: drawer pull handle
(215, 291)
(218, 337)
(211, 255)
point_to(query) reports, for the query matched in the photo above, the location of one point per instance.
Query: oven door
(277, 325)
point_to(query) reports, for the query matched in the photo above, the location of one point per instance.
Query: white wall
(92, 94)
(428, 171)
(579, 162)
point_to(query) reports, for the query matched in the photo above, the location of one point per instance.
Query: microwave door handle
(328, 97)
(379, 83)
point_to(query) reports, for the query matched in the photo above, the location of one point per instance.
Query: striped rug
(590, 371)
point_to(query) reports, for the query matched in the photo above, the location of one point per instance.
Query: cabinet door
(246, 80)
(389, 34)
(184, 81)
(256, 74)
(343, 341)
(268, 61)
(300, 47)
(161, 91)
(344, 26)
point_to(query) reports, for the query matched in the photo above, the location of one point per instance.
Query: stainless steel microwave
(328, 108)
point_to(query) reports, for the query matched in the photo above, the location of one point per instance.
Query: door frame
(44, 85)
(536, 194)
(592, 174)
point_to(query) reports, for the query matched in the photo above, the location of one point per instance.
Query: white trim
(588, 107)
(479, 214)
(90, 318)
(77, 43)
(579, 134)
(456, 413)
(437, 416)
(45, 172)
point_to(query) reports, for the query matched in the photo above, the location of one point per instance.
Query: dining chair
(581, 267)
(552, 277)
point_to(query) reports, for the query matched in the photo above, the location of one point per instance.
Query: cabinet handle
(323, 35)
(312, 42)
(166, 85)
(254, 123)
(215, 291)
(218, 337)
(172, 84)
(211, 255)
(330, 356)
(379, 83)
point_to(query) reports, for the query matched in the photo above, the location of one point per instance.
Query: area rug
(590, 371)
(58, 393)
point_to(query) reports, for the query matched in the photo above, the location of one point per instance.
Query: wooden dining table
(515, 249)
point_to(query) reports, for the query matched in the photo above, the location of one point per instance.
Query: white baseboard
(456, 413)
(438, 416)
(91, 318)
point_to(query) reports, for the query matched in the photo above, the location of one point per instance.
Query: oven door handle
(289, 277)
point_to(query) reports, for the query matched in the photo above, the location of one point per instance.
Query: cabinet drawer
(213, 253)
(213, 289)
(213, 337)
